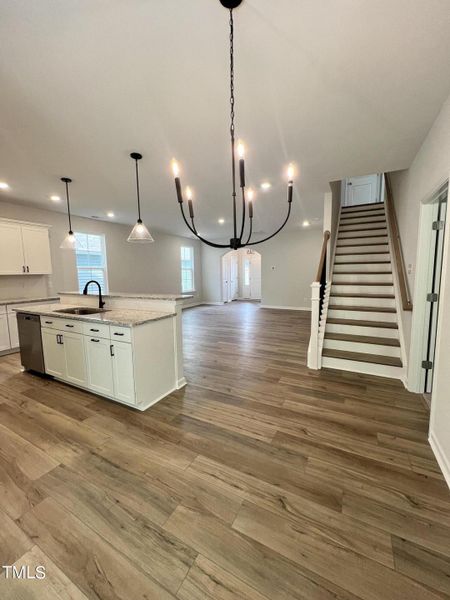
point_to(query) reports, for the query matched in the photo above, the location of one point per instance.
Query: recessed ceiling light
(110, 214)
(305, 223)
(266, 185)
(3, 185)
(221, 221)
(55, 198)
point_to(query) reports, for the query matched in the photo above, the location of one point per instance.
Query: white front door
(363, 190)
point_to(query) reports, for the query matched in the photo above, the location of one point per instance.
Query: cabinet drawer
(121, 334)
(71, 325)
(96, 329)
(51, 322)
(62, 324)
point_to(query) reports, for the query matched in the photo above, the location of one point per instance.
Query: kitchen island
(129, 351)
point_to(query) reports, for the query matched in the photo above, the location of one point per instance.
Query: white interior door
(363, 190)
(251, 276)
(226, 275)
(255, 276)
(234, 276)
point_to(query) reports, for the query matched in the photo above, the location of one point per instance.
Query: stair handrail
(397, 246)
(317, 297)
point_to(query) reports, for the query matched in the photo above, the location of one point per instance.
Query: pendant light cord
(233, 160)
(137, 193)
(68, 206)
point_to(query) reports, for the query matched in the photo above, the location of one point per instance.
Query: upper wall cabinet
(24, 249)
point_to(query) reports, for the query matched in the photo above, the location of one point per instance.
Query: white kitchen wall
(131, 267)
(288, 265)
(411, 187)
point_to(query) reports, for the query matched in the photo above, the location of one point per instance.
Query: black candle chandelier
(237, 241)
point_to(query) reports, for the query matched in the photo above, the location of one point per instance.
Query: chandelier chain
(231, 74)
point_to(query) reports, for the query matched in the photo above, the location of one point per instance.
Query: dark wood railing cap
(323, 255)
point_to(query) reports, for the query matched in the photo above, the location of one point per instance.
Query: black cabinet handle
(92, 340)
(28, 269)
(23, 269)
(49, 322)
(70, 325)
(111, 350)
(119, 334)
(96, 330)
(27, 318)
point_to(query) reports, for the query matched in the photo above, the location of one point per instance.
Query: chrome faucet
(101, 303)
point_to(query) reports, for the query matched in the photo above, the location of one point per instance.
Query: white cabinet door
(36, 250)
(11, 249)
(13, 331)
(99, 365)
(75, 358)
(54, 356)
(123, 372)
(4, 333)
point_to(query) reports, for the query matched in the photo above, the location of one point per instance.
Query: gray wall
(131, 268)
(288, 265)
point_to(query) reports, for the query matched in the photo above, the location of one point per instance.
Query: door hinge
(438, 225)
(427, 364)
(432, 297)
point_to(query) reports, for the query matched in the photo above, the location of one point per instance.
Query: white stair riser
(361, 289)
(370, 233)
(363, 213)
(363, 222)
(382, 350)
(359, 330)
(361, 367)
(361, 279)
(364, 267)
(357, 241)
(362, 248)
(361, 258)
(365, 226)
(347, 210)
(363, 315)
(381, 302)
(348, 220)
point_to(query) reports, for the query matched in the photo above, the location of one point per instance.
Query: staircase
(361, 331)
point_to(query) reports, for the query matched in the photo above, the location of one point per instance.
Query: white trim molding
(442, 461)
(275, 306)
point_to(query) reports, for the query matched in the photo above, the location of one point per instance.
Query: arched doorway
(241, 275)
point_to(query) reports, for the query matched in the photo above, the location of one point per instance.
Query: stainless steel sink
(81, 310)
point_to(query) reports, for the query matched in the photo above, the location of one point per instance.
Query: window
(187, 269)
(91, 260)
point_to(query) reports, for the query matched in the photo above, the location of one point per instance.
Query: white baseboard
(191, 305)
(285, 307)
(213, 303)
(442, 461)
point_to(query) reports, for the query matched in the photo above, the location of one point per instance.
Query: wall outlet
(410, 269)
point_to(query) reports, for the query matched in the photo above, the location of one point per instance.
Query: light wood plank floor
(260, 480)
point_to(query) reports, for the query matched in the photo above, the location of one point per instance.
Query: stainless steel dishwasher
(30, 341)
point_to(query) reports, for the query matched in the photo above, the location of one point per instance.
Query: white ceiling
(341, 87)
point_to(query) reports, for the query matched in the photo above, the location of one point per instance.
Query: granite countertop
(27, 300)
(171, 297)
(118, 316)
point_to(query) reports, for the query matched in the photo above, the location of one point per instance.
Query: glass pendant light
(69, 242)
(139, 233)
